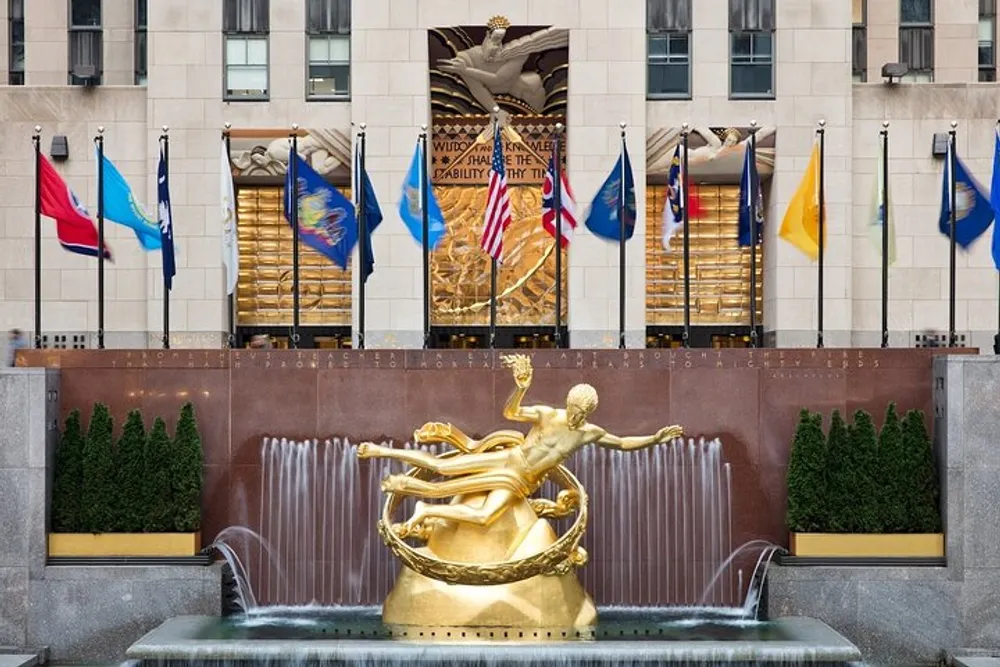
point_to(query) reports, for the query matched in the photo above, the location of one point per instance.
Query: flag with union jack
(498, 214)
(567, 203)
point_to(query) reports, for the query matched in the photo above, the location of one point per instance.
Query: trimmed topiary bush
(807, 470)
(99, 477)
(892, 476)
(131, 499)
(67, 484)
(922, 497)
(187, 473)
(867, 516)
(158, 495)
(839, 480)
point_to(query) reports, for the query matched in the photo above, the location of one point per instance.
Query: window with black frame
(751, 49)
(668, 49)
(859, 41)
(86, 43)
(246, 28)
(916, 39)
(140, 43)
(987, 40)
(328, 32)
(15, 70)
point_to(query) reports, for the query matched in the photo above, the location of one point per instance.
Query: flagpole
(293, 165)
(36, 140)
(952, 336)
(884, 195)
(165, 147)
(425, 232)
(753, 232)
(685, 137)
(230, 298)
(822, 223)
(621, 245)
(493, 260)
(359, 183)
(99, 139)
(557, 209)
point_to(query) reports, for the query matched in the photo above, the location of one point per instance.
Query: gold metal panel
(720, 268)
(264, 290)
(460, 269)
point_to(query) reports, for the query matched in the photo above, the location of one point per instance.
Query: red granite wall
(749, 399)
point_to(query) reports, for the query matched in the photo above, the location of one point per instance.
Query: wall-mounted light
(60, 148)
(892, 71)
(939, 147)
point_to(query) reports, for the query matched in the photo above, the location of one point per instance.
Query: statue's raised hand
(520, 364)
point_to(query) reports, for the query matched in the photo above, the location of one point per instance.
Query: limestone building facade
(134, 66)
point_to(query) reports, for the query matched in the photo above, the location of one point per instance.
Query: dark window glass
(859, 53)
(85, 13)
(248, 16)
(751, 67)
(915, 11)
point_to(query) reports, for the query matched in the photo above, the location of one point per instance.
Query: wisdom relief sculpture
(491, 557)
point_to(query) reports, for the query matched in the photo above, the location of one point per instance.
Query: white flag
(230, 245)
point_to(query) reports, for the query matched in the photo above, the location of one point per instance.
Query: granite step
(977, 662)
(18, 660)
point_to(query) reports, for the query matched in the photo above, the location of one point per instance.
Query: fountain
(491, 577)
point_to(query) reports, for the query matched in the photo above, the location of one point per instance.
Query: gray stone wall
(914, 615)
(84, 614)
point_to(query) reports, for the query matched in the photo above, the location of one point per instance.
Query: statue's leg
(411, 486)
(495, 504)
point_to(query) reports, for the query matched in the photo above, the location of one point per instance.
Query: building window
(668, 49)
(15, 71)
(751, 49)
(987, 40)
(916, 39)
(328, 25)
(859, 42)
(140, 42)
(86, 43)
(245, 26)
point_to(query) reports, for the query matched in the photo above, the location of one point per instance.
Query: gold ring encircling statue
(565, 554)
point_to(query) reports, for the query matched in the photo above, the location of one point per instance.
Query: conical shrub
(131, 469)
(159, 501)
(67, 483)
(807, 470)
(187, 473)
(99, 477)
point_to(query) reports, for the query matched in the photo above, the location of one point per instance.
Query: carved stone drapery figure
(494, 68)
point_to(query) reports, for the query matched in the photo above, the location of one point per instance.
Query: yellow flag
(800, 227)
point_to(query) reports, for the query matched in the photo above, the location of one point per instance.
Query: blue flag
(602, 218)
(995, 198)
(121, 206)
(373, 215)
(973, 213)
(750, 196)
(409, 205)
(327, 223)
(166, 223)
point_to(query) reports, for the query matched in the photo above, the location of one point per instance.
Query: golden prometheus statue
(491, 557)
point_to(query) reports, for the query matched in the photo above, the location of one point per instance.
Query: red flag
(76, 231)
(498, 215)
(568, 209)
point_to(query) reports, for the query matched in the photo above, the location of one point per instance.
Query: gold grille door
(720, 268)
(264, 290)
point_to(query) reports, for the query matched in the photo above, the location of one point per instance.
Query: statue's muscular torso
(550, 442)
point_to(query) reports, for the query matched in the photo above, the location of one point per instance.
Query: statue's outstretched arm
(630, 443)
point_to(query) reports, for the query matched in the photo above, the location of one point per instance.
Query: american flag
(497, 204)
(548, 207)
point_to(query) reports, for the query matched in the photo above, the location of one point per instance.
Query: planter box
(853, 545)
(124, 544)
